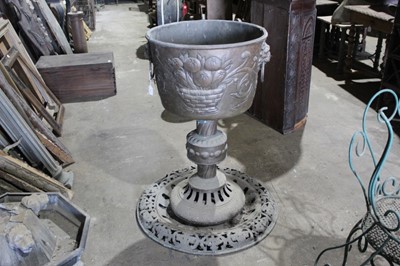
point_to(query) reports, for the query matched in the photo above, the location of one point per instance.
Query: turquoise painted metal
(379, 228)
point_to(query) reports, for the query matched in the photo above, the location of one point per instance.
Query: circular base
(205, 208)
(249, 227)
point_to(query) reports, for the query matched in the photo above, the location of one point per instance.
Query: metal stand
(206, 210)
(252, 224)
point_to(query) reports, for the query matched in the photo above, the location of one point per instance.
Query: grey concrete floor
(124, 143)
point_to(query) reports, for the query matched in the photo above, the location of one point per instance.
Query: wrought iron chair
(380, 227)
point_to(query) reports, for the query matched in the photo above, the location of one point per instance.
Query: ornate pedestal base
(207, 70)
(252, 224)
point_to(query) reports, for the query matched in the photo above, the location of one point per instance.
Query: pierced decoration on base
(250, 226)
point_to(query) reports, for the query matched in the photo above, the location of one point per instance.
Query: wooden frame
(34, 90)
(47, 138)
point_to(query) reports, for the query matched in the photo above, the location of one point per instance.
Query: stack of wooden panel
(79, 77)
(32, 158)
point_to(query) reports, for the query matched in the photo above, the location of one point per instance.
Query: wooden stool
(336, 34)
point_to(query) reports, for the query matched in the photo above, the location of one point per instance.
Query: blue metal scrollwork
(378, 187)
(379, 228)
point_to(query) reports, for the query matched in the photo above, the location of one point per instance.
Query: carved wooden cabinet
(281, 101)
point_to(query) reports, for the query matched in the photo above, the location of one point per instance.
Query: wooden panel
(281, 101)
(53, 25)
(79, 77)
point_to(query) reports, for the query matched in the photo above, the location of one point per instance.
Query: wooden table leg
(342, 45)
(378, 50)
(322, 38)
(350, 48)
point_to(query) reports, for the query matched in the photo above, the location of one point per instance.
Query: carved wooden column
(281, 101)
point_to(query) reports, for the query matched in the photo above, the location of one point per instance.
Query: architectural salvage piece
(46, 136)
(9, 38)
(281, 101)
(34, 90)
(79, 77)
(41, 229)
(379, 229)
(207, 70)
(16, 169)
(53, 25)
(18, 130)
(78, 32)
(44, 37)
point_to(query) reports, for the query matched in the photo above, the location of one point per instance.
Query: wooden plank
(35, 103)
(7, 187)
(53, 99)
(56, 151)
(53, 25)
(27, 92)
(32, 176)
(18, 183)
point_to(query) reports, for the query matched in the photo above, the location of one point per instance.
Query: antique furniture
(372, 17)
(380, 226)
(79, 77)
(207, 70)
(282, 100)
(391, 76)
(333, 40)
(39, 29)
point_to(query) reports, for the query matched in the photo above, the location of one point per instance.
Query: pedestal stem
(206, 171)
(206, 128)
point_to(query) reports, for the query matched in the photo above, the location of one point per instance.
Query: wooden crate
(79, 77)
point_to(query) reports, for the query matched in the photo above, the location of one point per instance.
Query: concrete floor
(123, 144)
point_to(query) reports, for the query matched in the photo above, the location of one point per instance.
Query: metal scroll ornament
(207, 70)
(379, 229)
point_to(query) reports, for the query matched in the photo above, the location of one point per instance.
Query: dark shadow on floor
(361, 84)
(330, 68)
(147, 252)
(265, 153)
(364, 92)
(141, 52)
(173, 118)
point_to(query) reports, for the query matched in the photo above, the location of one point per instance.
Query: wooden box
(79, 77)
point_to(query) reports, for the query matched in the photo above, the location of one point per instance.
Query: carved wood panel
(281, 101)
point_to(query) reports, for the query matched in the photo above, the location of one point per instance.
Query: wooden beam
(32, 176)
(15, 181)
(53, 25)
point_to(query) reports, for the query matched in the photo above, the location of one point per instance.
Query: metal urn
(207, 70)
